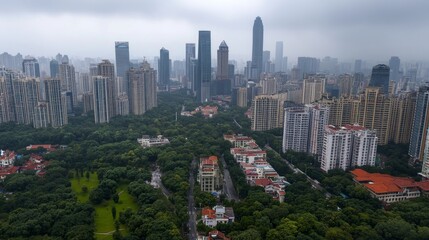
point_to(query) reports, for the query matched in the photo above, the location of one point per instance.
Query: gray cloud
(365, 29)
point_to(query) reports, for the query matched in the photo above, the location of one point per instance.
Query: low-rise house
(218, 214)
(147, 141)
(7, 158)
(47, 147)
(214, 235)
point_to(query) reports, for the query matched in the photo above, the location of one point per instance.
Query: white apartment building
(295, 129)
(350, 145)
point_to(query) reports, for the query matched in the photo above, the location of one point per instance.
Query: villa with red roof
(218, 214)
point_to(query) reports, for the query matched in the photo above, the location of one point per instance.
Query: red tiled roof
(210, 213)
(383, 183)
(263, 182)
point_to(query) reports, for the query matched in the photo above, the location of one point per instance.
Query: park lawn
(78, 183)
(104, 222)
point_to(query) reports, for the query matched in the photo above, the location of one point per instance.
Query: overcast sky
(347, 29)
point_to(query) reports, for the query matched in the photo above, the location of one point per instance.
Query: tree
(84, 189)
(114, 212)
(115, 197)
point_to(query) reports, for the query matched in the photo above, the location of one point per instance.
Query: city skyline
(334, 28)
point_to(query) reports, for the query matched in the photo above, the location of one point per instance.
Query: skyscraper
(7, 100)
(394, 63)
(30, 67)
(257, 48)
(164, 69)
(204, 74)
(101, 99)
(278, 62)
(307, 65)
(190, 54)
(122, 53)
(54, 68)
(420, 124)
(223, 82)
(266, 61)
(56, 104)
(380, 78)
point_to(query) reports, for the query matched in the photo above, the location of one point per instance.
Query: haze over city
(348, 30)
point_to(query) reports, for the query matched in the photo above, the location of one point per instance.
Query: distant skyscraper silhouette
(358, 66)
(278, 62)
(257, 48)
(307, 65)
(380, 78)
(122, 53)
(394, 63)
(266, 56)
(54, 68)
(164, 68)
(30, 67)
(190, 54)
(204, 73)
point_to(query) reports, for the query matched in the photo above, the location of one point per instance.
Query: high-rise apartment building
(204, 70)
(267, 112)
(164, 69)
(380, 78)
(296, 129)
(67, 78)
(41, 115)
(278, 62)
(190, 74)
(319, 118)
(345, 85)
(107, 69)
(122, 54)
(269, 85)
(26, 95)
(142, 94)
(257, 48)
(209, 175)
(394, 64)
(102, 99)
(7, 100)
(348, 146)
(313, 88)
(374, 112)
(420, 124)
(56, 104)
(239, 96)
(30, 67)
(402, 110)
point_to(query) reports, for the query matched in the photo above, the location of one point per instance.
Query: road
(314, 183)
(228, 187)
(236, 123)
(192, 224)
(157, 183)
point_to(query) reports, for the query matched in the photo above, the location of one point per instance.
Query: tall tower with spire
(257, 48)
